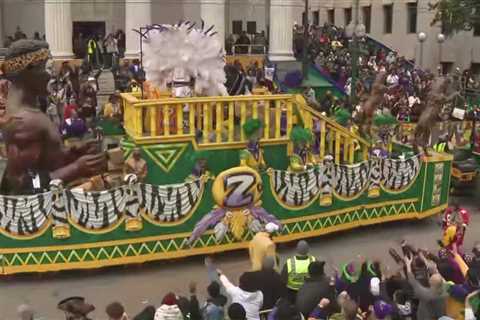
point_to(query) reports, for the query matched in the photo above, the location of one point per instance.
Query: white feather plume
(198, 52)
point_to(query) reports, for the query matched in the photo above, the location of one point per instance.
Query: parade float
(204, 172)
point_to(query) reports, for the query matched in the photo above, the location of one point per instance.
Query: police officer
(295, 269)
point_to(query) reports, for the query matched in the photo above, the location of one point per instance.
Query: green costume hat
(342, 116)
(384, 120)
(251, 126)
(300, 134)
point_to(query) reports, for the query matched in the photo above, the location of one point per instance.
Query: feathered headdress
(251, 126)
(300, 134)
(384, 120)
(342, 116)
(196, 52)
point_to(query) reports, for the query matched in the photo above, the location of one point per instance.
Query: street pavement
(139, 285)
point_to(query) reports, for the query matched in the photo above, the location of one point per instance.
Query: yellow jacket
(259, 247)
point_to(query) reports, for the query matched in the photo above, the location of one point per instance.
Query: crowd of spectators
(244, 43)
(330, 50)
(19, 34)
(438, 284)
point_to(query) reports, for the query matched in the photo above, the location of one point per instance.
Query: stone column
(138, 13)
(213, 13)
(59, 28)
(281, 29)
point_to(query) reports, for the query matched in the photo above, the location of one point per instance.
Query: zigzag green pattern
(208, 240)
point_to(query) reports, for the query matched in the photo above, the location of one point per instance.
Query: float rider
(200, 165)
(252, 156)
(302, 157)
(295, 270)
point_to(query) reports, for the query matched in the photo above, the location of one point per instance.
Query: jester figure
(301, 158)
(454, 225)
(252, 156)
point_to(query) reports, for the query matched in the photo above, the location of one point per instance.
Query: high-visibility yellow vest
(297, 271)
(440, 147)
(92, 45)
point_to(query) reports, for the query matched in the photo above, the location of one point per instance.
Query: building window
(331, 16)
(475, 68)
(367, 18)
(447, 67)
(387, 18)
(316, 18)
(476, 29)
(348, 16)
(412, 17)
(251, 27)
(237, 26)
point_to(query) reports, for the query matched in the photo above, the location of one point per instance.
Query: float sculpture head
(35, 152)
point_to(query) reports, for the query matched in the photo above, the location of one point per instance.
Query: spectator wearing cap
(169, 309)
(237, 312)
(316, 286)
(262, 245)
(295, 270)
(270, 283)
(381, 311)
(246, 294)
(116, 311)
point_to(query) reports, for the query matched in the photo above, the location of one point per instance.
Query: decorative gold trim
(133, 224)
(374, 192)
(151, 152)
(61, 231)
(91, 231)
(326, 200)
(40, 232)
(207, 250)
(187, 234)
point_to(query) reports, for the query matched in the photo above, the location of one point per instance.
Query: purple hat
(382, 309)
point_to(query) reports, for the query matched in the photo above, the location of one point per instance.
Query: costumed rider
(302, 157)
(262, 246)
(200, 167)
(35, 151)
(252, 156)
(454, 225)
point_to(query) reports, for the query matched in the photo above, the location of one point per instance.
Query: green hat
(342, 116)
(251, 126)
(384, 120)
(300, 134)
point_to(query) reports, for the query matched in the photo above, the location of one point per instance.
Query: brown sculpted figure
(436, 98)
(374, 100)
(35, 151)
